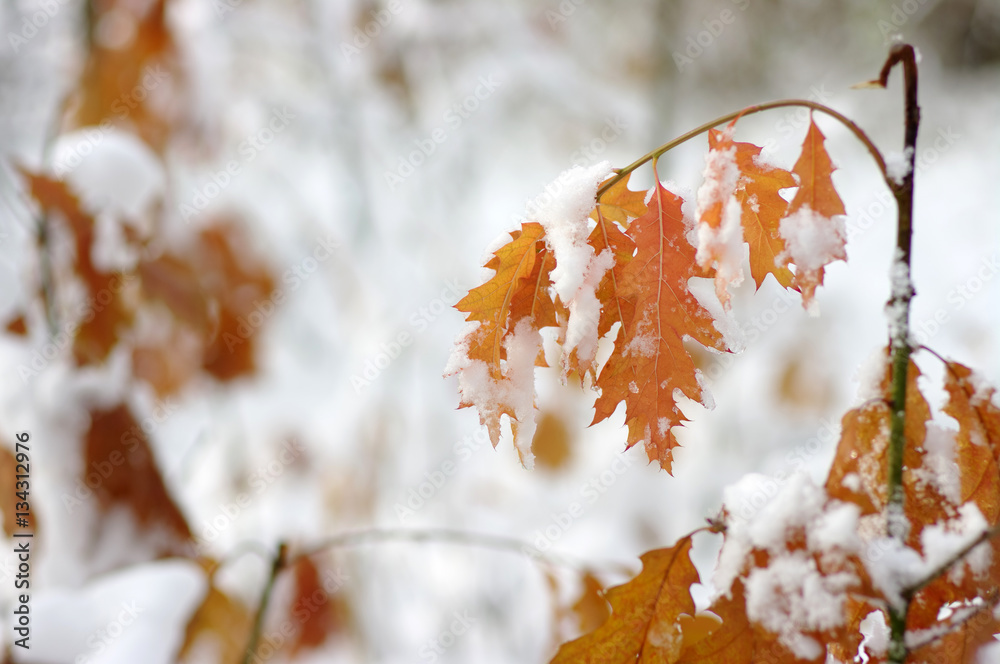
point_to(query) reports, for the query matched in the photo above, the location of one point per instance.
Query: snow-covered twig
(929, 578)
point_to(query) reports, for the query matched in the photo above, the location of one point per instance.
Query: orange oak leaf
(981, 398)
(943, 471)
(620, 204)
(859, 469)
(509, 295)
(591, 607)
(649, 363)
(762, 209)
(813, 230)
(644, 626)
(615, 306)
(532, 300)
(976, 442)
(508, 310)
(733, 639)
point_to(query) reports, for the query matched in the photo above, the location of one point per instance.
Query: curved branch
(750, 110)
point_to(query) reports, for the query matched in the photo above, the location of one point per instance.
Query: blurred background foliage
(230, 235)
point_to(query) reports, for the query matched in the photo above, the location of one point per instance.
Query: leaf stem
(750, 110)
(899, 327)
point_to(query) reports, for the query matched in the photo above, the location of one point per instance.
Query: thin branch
(750, 110)
(916, 587)
(46, 280)
(370, 536)
(899, 328)
(283, 560)
(967, 614)
(279, 562)
(45, 269)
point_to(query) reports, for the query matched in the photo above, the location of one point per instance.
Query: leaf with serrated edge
(817, 201)
(515, 298)
(645, 613)
(763, 207)
(619, 203)
(491, 303)
(649, 361)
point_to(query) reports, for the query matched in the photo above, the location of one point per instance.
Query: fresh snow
(790, 595)
(893, 566)
(514, 390)
(876, 636)
(585, 310)
(136, 614)
(812, 240)
(562, 210)
(722, 245)
(940, 468)
(897, 164)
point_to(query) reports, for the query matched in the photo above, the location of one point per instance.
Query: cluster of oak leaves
(178, 312)
(809, 576)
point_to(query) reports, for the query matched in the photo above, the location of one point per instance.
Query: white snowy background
(508, 94)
